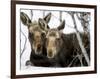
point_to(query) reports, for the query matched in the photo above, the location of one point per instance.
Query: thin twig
(60, 16)
(76, 56)
(43, 14)
(31, 14)
(80, 58)
(72, 61)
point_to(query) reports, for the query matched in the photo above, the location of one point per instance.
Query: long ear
(43, 24)
(47, 18)
(25, 19)
(61, 26)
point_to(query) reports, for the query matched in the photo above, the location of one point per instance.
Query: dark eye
(43, 34)
(31, 34)
(58, 39)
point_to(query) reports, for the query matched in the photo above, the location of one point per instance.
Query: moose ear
(43, 24)
(61, 26)
(25, 19)
(47, 18)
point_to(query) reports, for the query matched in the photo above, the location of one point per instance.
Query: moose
(62, 47)
(36, 36)
(51, 47)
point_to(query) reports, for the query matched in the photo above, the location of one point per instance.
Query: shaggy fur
(36, 35)
(67, 48)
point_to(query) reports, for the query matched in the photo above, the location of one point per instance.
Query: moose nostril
(38, 46)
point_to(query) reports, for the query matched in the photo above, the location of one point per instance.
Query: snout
(39, 48)
(50, 54)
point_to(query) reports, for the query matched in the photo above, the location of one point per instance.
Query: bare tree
(79, 39)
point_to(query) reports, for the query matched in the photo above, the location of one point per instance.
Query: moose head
(36, 31)
(54, 40)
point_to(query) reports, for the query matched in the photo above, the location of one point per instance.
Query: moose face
(36, 37)
(54, 40)
(36, 31)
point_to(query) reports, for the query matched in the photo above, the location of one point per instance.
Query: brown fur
(62, 47)
(36, 35)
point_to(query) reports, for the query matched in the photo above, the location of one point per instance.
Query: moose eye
(43, 34)
(58, 39)
(31, 34)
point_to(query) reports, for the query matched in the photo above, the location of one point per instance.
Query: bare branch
(74, 58)
(24, 44)
(73, 61)
(43, 14)
(23, 48)
(31, 14)
(60, 16)
(80, 58)
(80, 40)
